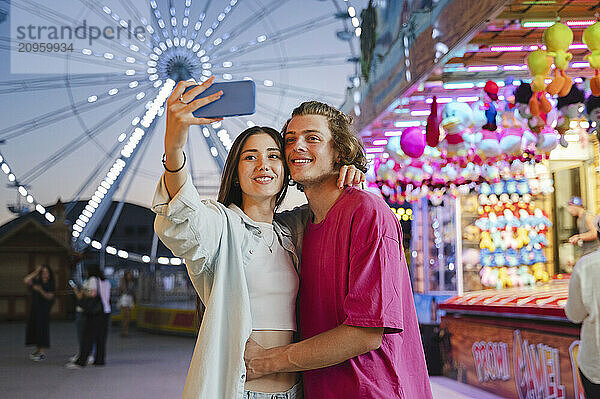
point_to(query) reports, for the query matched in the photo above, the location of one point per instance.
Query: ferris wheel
(93, 135)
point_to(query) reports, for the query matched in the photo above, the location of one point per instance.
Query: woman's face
(45, 274)
(260, 168)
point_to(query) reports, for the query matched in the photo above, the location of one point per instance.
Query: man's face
(573, 210)
(309, 149)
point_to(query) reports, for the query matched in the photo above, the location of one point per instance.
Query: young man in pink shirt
(357, 319)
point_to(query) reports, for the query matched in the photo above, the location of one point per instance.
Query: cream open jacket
(217, 244)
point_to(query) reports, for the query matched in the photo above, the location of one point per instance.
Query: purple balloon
(412, 142)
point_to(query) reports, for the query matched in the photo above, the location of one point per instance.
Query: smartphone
(72, 284)
(239, 98)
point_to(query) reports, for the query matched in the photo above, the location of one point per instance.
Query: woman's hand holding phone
(180, 106)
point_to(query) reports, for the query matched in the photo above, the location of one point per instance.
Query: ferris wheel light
(157, 83)
(209, 32)
(135, 120)
(163, 46)
(161, 23)
(153, 3)
(77, 228)
(216, 125)
(213, 151)
(175, 261)
(30, 199)
(206, 58)
(11, 177)
(75, 234)
(358, 31)
(206, 65)
(169, 43)
(133, 47)
(151, 63)
(227, 76)
(176, 41)
(22, 191)
(49, 217)
(5, 168)
(40, 209)
(227, 64)
(261, 38)
(90, 208)
(96, 244)
(218, 41)
(130, 60)
(86, 213)
(112, 92)
(207, 72)
(96, 199)
(158, 51)
(111, 250)
(355, 22)
(145, 259)
(92, 99)
(123, 23)
(185, 22)
(86, 51)
(250, 124)
(351, 11)
(198, 26)
(173, 21)
(122, 254)
(268, 83)
(151, 70)
(163, 261)
(85, 219)
(87, 240)
(233, 2)
(106, 10)
(205, 132)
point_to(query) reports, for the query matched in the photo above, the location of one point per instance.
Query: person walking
(583, 306)
(586, 236)
(95, 329)
(357, 319)
(42, 286)
(126, 301)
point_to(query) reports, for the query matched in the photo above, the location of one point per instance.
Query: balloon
(412, 142)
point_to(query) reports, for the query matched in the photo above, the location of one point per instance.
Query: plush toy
(557, 39)
(432, 131)
(591, 37)
(592, 110)
(513, 276)
(539, 63)
(526, 278)
(522, 239)
(487, 242)
(486, 258)
(503, 279)
(456, 118)
(547, 140)
(569, 107)
(471, 258)
(412, 142)
(511, 140)
(490, 97)
(489, 276)
(449, 172)
(540, 273)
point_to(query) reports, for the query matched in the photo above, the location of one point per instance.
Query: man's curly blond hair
(348, 146)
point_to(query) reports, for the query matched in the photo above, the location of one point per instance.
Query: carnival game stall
(486, 147)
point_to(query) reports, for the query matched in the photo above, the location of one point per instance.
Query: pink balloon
(412, 142)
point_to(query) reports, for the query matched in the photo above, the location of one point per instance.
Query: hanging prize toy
(432, 131)
(557, 39)
(539, 63)
(490, 97)
(591, 37)
(569, 108)
(456, 119)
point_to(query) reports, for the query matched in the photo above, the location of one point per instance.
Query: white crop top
(272, 284)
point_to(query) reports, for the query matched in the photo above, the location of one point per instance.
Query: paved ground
(143, 365)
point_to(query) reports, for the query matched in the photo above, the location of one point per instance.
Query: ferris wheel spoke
(273, 38)
(88, 181)
(78, 80)
(255, 18)
(62, 153)
(60, 114)
(210, 31)
(283, 63)
(200, 20)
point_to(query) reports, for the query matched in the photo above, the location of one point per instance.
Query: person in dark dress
(41, 284)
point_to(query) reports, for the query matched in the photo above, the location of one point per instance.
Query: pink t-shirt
(353, 272)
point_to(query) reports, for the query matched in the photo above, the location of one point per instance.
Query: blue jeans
(294, 392)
